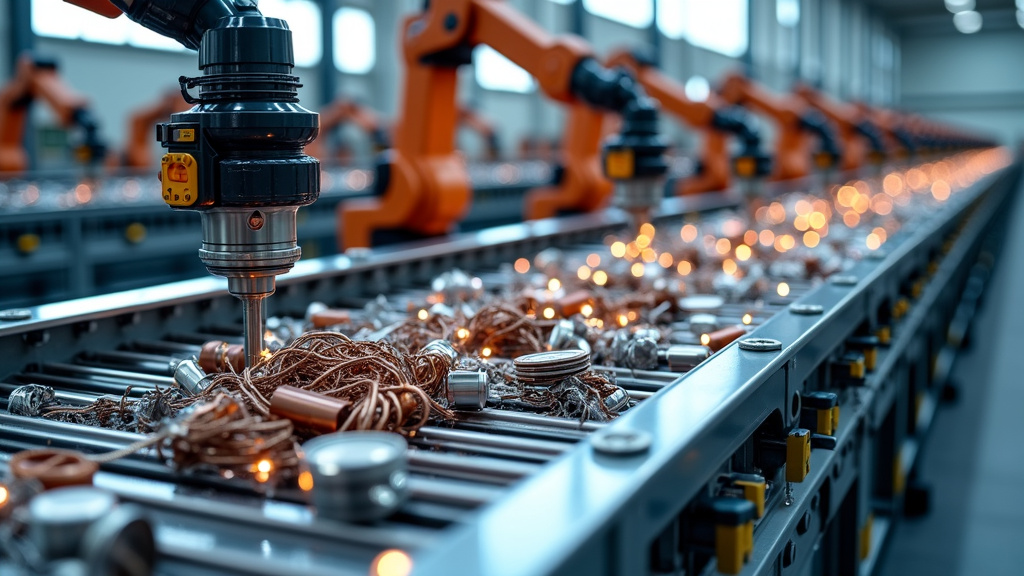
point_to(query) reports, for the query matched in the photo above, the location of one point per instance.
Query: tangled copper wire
(217, 431)
(413, 334)
(506, 330)
(388, 390)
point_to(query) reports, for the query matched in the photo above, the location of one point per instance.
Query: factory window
(717, 25)
(495, 72)
(57, 19)
(637, 13)
(787, 12)
(355, 49)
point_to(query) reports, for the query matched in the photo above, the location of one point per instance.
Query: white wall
(971, 80)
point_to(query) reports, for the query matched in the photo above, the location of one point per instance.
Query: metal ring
(806, 309)
(15, 315)
(760, 344)
(622, 443)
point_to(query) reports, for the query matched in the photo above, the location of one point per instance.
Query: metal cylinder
(190, 377)
(444, 348)
(617, 400)
(562, 335)
(703, 323)
(58, 519)
(682, 357)
(329, 317)
(721, 338)
(309, 410)
(469, 389)
(357, 476)
(216, 356)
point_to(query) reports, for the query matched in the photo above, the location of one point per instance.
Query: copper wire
(389, 390)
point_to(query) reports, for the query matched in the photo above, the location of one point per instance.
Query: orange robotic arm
(139, 144)
(898, 142)
(709, 117)
(793, 140)
(39, 79)
(426, 188)
(858, 137)
(345, 110)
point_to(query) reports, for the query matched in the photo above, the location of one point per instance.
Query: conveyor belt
(507, 492)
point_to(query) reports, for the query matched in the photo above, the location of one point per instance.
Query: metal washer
(806, 309)
(622, 443)
(15, 315)
(760, 344)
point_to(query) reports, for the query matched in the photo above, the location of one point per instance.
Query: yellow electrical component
(619, 163)
(798, 455)
(884, 335)
(870, 358)
(745, 166)
(179, 179)
(135, 233)
(824, 422)
(857, 368)
(917, 289)
(754, 492)
(835, 418)
(823, 160)
(865, 537)
(28, 243)
(183, 135)
(734, 534)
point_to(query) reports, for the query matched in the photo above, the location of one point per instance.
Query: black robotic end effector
(752, 161)
(827, 155)
(874, 138)
(635, 157)
(237, 158)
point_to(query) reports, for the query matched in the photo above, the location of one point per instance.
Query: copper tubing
(309, 410)
(329, 317)
(216, 356)
(53, 468)
(721, 338)
(572, 303)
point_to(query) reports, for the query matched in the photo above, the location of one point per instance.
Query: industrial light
(787, 12)
(967, 22)
(1020, 18)
(697, 88)
(956, 6)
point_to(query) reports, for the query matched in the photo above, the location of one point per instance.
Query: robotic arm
(427, 188)
(345, 110)
(896, 140)
(137, 150)
(35, 78)
(858, 137)
(795, 128)
(236, 156)
(711, 117)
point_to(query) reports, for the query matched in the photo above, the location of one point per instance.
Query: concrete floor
(974, 459)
